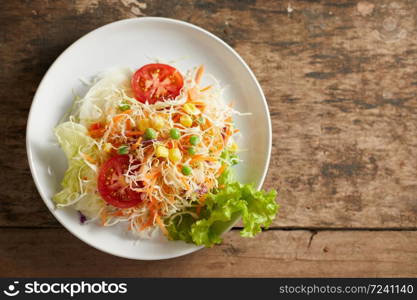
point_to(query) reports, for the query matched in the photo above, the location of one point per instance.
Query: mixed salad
(154, 149)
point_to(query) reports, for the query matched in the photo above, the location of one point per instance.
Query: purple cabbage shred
(83, 218)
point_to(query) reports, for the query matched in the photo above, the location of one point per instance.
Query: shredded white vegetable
(113, 119)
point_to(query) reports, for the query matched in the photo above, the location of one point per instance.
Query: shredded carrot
(206, 88)
(184, 181)
(96, 130)
(202, 157)
(199, 74)
(172, 144)
(149, 222)
(201, 201)
(191, 95)
(201, 107)
(133, 132)
(151, 206)
(227, 134)
(161, 225)
(89, 158)
(207, 124)
(103, 217)
(176, 118)
(117, 118)
(117, 213)
(128, 124)
(196, 158)
(96, 133)
(137, 144)
(202, 103)
(221, 169)
(166, 188)
(153, 176)
(154, 203)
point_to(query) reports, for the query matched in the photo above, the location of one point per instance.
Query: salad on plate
(153, 149)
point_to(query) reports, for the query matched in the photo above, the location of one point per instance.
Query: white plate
(133, 43)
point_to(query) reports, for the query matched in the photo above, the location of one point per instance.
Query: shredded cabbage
(79, 182)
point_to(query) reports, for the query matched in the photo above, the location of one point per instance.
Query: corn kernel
(191, 109)
(234, 147)
(158, 123)
(186, 120)
(107, 147)
(162, 151)
(143, 124)
(175, 155)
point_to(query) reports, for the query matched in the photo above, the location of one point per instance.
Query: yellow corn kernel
(233, 147)
(186, 120)
(107, 147)
(161, 151)
(191, 109)
(158, 123)
(175, 155)
(143, 124)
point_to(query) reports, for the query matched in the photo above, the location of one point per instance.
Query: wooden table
(340, 78)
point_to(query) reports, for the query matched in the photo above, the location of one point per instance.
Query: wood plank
(56, 253)
(340, 83)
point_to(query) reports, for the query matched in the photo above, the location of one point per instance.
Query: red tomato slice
(112, 185)
(156, 82)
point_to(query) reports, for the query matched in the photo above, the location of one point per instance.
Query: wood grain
(342, 100)
(56, 253)
(340, 84)
(340, 81)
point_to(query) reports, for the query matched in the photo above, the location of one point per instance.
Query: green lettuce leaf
(222, 208)
(180, 227)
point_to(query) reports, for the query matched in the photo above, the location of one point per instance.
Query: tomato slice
(112, 185)
(156, 82)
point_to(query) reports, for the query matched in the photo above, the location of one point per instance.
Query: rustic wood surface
(55, 252)
(340, 79)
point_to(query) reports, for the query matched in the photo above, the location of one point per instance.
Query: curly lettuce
(222, 208)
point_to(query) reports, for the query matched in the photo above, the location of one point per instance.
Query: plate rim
(140, 20)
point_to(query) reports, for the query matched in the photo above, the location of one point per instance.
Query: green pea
(191, 151)
(186, 170)
(124, 106)
(174, 133)
(123, 150)
(150, 134)
(194, 140)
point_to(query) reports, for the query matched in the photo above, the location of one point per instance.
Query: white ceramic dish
(133, 43)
